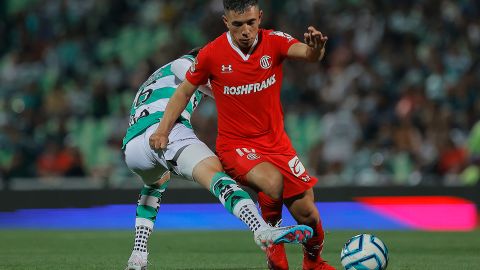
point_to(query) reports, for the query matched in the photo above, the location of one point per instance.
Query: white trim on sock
(151, 201)
(144, 222)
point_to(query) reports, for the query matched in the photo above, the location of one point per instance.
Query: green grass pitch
(221, 250)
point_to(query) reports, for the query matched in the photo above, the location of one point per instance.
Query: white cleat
(292, 234)
(138, 261)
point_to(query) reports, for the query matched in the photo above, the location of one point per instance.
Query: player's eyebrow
(249, 21)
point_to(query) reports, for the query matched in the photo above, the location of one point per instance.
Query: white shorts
(183, 153)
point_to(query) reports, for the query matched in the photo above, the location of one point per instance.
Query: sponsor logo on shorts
(297, 167)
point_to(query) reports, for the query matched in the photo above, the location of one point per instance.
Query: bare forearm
(174, 109)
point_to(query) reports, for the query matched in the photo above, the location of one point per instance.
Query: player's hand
(315, 38)
(158, 141)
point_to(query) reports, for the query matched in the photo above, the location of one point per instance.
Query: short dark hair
(194, 52)
(238, 5)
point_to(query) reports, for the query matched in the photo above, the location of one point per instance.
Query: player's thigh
(267, 178)
(252, 169)
(197, 162)
(140, 160)
(152, 165)
(181, 141)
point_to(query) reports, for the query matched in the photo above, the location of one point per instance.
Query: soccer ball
(364, 252)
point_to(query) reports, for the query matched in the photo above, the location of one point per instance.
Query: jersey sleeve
(282, 41)
(199, 72)
(180, 68)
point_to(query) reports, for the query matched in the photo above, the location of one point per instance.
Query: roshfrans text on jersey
(249, 88)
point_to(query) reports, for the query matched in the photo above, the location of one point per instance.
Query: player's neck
(242, 49)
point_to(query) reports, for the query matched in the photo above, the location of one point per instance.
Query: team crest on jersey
(296, 166)
(227, 69)
(282, 34)
(266, 62)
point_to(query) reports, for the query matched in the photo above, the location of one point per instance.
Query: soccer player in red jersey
(244, 68)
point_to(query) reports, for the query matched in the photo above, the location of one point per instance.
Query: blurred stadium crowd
(395, 102)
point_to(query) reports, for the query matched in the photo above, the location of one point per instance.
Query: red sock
(272, 213)
(271, 208)
(313, 247)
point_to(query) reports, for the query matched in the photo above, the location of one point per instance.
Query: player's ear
(260, 16)
(225, 20)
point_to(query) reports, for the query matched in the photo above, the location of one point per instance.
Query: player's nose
(245, 30)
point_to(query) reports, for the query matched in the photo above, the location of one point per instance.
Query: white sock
(142, 233)
(247, 211)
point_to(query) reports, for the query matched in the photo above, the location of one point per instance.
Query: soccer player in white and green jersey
(186, 156)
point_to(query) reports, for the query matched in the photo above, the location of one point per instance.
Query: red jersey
(246, 88)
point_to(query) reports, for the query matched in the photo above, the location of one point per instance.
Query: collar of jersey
(244, 56)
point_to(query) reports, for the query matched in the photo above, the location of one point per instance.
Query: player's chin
(246, 46)
(245, 43)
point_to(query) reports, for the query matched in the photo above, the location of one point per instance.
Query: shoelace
(279, 222)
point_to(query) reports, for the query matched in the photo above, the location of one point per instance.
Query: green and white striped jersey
(152, 98)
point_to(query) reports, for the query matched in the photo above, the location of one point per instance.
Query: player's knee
(276, 190)
(211, 163)
(164, 179)
(207, 168)
(308, 216)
